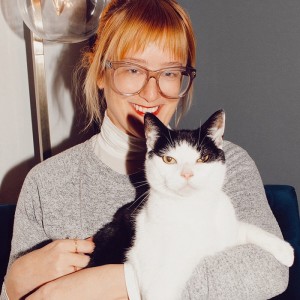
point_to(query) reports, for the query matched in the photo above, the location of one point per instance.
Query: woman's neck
(122, 153)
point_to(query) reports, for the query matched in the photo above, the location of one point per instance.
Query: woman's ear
(100, 83)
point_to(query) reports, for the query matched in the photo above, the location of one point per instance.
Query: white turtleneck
(123, 153)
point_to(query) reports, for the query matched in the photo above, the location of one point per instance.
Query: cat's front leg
(167, 282)
(162, 291)
(279, 248)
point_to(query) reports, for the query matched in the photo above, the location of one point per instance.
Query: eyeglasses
(130, 79)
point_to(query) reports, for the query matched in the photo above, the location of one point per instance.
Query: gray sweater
(73, 194)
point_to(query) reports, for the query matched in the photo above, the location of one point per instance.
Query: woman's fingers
(72, 254)
(79, 260)
(73, 245)
(56, 259)
(66, 256)
(83, 246)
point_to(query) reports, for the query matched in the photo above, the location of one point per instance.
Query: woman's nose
(150, 92)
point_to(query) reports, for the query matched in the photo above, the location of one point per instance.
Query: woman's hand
(59, 258)
(105, 282)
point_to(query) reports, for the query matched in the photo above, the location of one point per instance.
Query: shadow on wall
(64, 68)
(13, 180)
(63, 83)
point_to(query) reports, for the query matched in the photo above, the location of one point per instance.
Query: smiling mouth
(141, 110)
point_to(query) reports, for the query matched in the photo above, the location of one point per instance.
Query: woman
(68, 197)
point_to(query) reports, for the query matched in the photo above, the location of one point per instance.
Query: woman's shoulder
(230, 148)
(235, 152)
(63, 163)
(238, 162)
(237, 158)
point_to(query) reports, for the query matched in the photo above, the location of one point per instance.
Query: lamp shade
(64, 21)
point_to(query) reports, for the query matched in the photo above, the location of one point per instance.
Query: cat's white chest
(172, 235)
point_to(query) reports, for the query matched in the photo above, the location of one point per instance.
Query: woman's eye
(169, 159)
(171, 74)
(203, 159)
(133, 71)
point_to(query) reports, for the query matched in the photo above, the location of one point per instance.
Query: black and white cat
(186, 215)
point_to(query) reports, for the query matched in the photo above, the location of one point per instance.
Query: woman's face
(127, 112)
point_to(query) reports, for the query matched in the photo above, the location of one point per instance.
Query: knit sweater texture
(73, 194)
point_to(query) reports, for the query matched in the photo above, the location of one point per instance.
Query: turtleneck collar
(123, 153)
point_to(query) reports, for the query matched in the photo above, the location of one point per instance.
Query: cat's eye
(169, 159)
(203, 159)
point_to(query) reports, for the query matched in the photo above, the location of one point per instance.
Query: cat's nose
(187, 174)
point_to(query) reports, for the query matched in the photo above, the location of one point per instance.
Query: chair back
(7, 212)
(284, 205)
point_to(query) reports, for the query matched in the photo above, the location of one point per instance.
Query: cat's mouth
(141, 110)
(186, 189)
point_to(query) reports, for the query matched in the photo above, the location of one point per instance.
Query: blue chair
(282, 200)
(7, 212)
(284, 205)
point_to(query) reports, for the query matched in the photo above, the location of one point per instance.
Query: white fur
(185, 220)
(216, 132)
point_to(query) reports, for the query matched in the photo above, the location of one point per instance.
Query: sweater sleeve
(241, 272)
(28, 230)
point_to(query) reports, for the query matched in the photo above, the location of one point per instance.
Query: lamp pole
(42, 137)
(42, 133)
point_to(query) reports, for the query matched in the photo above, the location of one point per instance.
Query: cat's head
(183, 162)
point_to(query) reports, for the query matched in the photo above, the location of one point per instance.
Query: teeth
(145, 109)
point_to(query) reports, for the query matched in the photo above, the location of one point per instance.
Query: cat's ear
(215, 127)
(153, 129)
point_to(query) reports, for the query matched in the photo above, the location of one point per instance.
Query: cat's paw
(284, 253)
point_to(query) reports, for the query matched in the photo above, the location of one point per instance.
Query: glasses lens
(174, 83)
(129, 79)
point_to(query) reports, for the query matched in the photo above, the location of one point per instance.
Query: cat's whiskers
(138, 182)
(171, 140)
(137, 171)
(137, 199)
(146, 194)
(199, 136)
(140, 185)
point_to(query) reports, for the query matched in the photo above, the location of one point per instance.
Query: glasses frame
(114, 65)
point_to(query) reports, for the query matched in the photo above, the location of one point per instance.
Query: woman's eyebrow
(144, 62)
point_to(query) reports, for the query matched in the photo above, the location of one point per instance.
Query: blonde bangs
(138, 37)
(135, 31)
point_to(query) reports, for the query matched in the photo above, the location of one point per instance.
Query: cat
(185, 216)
